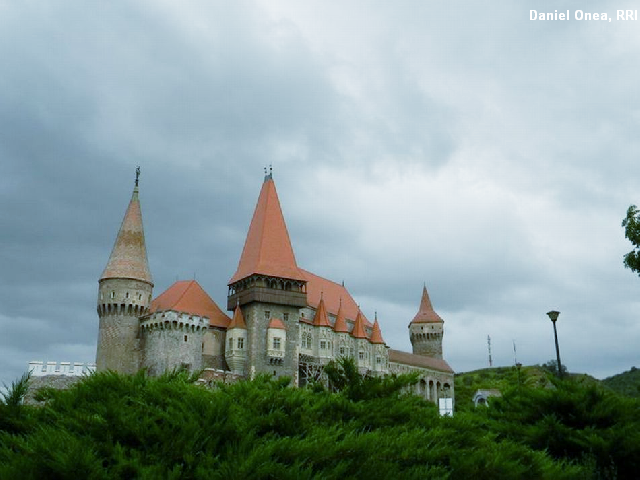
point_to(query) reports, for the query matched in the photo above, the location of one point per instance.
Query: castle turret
(426, 329)
(269, 285)
(124, 294)
(237, 345)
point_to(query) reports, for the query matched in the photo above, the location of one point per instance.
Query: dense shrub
(113, 426)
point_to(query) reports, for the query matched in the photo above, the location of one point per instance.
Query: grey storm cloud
(464, 146)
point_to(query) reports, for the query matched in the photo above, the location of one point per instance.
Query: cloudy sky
(457, 144)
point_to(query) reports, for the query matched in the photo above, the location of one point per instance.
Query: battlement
(67, 369)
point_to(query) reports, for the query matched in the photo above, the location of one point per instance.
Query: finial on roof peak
(137, 174)
(268, 176)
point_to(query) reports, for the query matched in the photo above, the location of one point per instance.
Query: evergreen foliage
(117, 426)
(631, 225)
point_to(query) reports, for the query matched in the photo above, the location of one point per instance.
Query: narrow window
(113, 294)
(185, 338)
(139, 296)
(286, 317)
(341, 350)
(127, 295)
(361, 355)
(241, 342)
(323, 344)
(267, 314)
(276, 343)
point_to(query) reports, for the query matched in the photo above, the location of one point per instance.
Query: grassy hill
(505, 378)
(625, 383)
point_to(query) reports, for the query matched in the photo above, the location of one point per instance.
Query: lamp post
(553, 315)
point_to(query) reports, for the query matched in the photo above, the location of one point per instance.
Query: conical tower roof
(321, 319)
(341, 323)
(358, 327)
(267, 249)
(238, 320)
(426, 314)
(129, 255)
(376, 333)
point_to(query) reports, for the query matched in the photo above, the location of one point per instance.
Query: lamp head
(553, 315)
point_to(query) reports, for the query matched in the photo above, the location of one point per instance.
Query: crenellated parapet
(68, 369)
(170, 320)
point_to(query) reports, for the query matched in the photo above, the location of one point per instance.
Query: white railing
(75, 369)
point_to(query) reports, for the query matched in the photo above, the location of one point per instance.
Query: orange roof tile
(321, 319)
(188, 296)
(376, 334)
(426, 314)
(397, 356)
(276, 323)
(332, 293)
(267, 248)
(128, 258)
(341, 324)
(358, 327)
(238, 320)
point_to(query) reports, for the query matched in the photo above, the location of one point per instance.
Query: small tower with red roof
(236, 348)
(426, 329)
(124, 294)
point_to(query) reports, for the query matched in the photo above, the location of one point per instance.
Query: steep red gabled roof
(238, 320)
(128, 258)
(376, 334)
(334, 295)
(341, 323)
(426, 314)
(267, 248)
(187, 296)
(358, 327)
(277, 323)
(321, 319)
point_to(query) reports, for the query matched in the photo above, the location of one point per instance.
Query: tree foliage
(631, 225)
(113, 426)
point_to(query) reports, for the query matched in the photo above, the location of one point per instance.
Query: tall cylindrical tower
(426, 329)
(124, 294)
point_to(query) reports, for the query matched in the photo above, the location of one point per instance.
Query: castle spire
(128, 258)
(358, 327)
(267, 248)
(321, 319)
(341, 323)
(426, 313)
(376, 333)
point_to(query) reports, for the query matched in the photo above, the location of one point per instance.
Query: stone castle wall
(172, 340)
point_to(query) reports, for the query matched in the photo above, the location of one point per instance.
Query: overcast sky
(457, 144)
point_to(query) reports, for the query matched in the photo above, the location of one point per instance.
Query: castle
(285, 321)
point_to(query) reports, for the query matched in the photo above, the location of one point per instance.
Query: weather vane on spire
(137, 175)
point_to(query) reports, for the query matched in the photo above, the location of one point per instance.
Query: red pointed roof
(426, 314)
(187, 296)
(267, 248)
(376, 334)
(276, 323)
(358, 327)
(238, 320)
(321, 319)
(333, 294)
(341, 324)
(129, 255)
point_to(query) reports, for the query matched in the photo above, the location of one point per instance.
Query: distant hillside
(503, 378)
(625, 383)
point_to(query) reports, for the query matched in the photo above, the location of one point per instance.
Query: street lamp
(553, 315)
